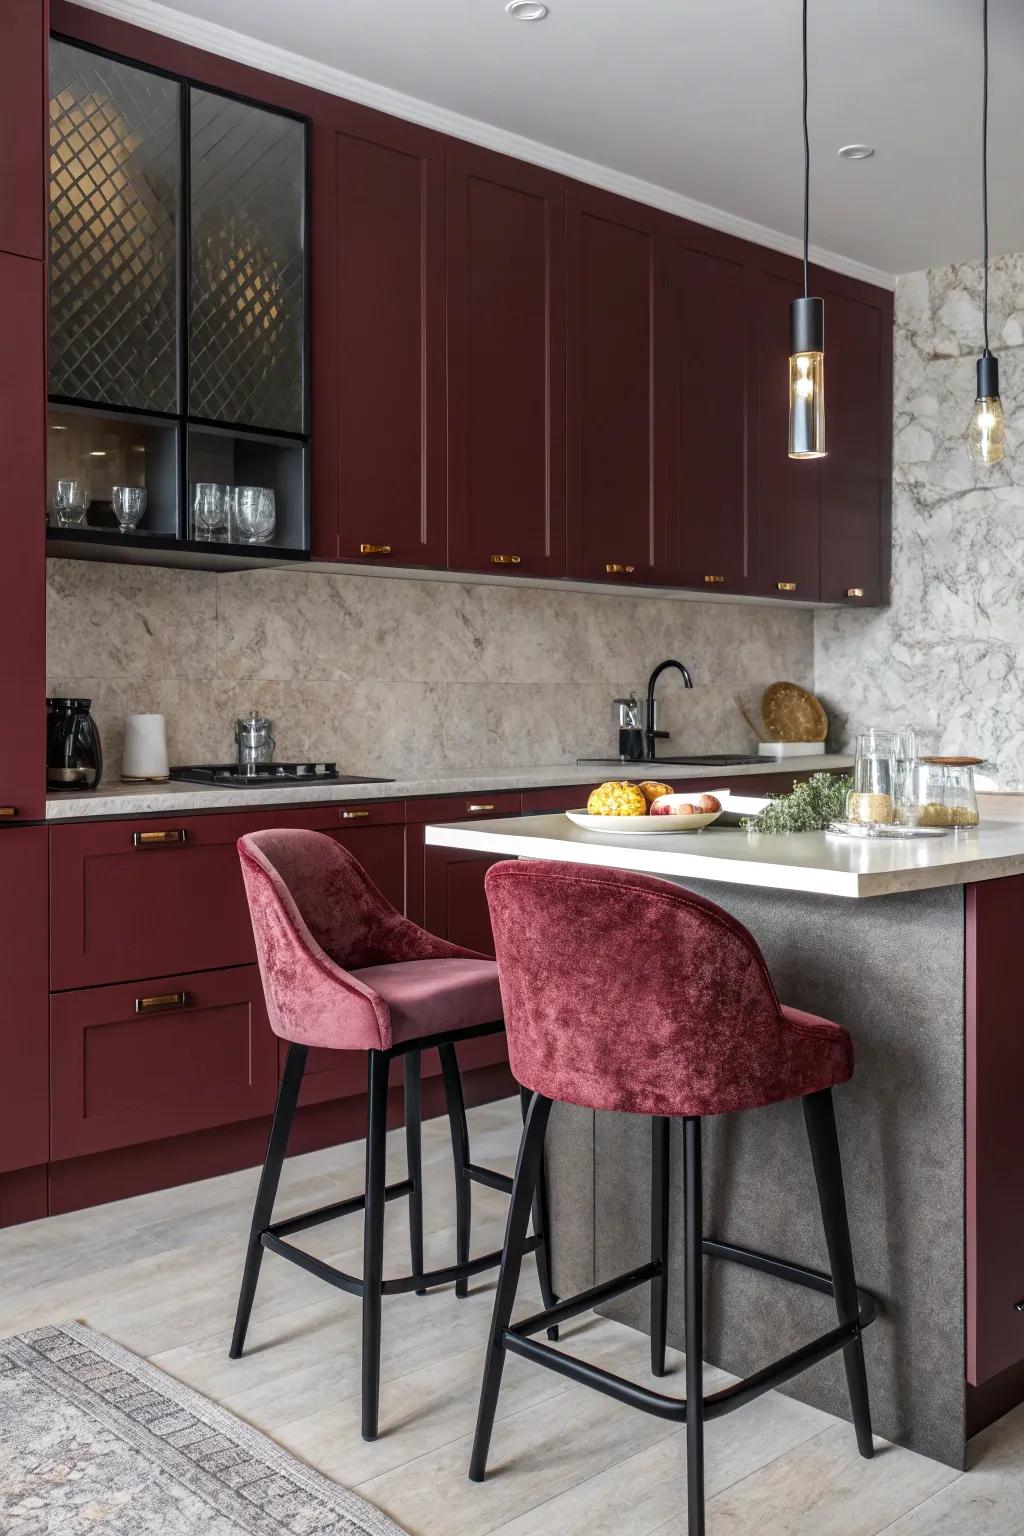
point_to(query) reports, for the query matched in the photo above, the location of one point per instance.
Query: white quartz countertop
(805, 861)
(173, 797)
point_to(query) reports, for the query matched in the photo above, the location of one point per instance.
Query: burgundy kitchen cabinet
(24, 1046)
(784, 492)
(506, 364)
(23, 129)
(134, 1063)
(856, 474)
(386, 339)
(705, 406)
(22, 535)
(614, 326)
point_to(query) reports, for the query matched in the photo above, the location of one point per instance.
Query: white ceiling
(697, 97)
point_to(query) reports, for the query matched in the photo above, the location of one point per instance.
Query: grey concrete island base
(892, 971)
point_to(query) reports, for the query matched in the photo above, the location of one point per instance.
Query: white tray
(647, 825)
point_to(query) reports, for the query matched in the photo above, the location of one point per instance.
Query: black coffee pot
(74, 755)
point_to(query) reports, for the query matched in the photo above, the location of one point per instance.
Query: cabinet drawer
(506, 802)
(140, 1062)
(145, 898)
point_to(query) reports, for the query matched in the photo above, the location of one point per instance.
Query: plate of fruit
(620, 806)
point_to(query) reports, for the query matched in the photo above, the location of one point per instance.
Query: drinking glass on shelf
(129, 503)
(253, 514)
(70, 503)
(209, 510)
(872, 796)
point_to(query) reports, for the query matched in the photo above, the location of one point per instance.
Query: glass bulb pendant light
(986, 438)
(806, 335)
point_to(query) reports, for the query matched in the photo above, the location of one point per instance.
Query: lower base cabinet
(143, 1061)
(24, 1050)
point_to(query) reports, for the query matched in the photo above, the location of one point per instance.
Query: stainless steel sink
(709, 760)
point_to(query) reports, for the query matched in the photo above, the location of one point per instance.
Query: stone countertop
(807, 861)
(176, 797)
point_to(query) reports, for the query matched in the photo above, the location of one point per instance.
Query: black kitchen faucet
(651, 733)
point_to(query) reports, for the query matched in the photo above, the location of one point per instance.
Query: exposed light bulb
(986, 437)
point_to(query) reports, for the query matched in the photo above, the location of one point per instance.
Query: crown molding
(209, 35)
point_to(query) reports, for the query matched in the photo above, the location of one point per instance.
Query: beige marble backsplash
(401, 676)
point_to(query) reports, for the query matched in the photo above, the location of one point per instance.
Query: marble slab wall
(396, 675)
(946, 657)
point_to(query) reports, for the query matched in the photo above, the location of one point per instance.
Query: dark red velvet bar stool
(700, 1033)
(343, 970)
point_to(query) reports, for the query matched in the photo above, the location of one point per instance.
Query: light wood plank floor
(159, 1273)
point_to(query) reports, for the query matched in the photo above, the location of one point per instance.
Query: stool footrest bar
(308, 1261)
(340, 1208)
(400, 1285)
(488, 1176)
(585, 1301)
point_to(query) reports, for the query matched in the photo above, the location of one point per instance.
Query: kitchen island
(912, 946)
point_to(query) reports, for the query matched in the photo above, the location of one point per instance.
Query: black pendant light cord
(984, 163)
(807, 150)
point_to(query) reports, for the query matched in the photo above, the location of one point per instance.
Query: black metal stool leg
(541, 1225)
(531, 1151)
(277, 1146)
(414, 1158)
(820, 1119)
(460, 1153)
(694, 1330)
(373, 1235)
(659, 1240)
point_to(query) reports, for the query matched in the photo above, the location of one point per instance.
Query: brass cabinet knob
(375, 549)
(473, 806)
(175, 839)
(785, 586)
(352, 815)
(506, 559)
(714, 581)
(855, 591)
(620, 570)
(161, 1002)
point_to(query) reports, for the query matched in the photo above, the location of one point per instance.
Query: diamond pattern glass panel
(246, 303)
(114, 171)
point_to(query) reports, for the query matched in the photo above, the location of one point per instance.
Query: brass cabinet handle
(620, 570)
(8, 810)
(714, 581)
(176, 839)
(375, 549)
(506, 559)
(472, 806)
(351, 815)
(785, 586)
(855, 591)
(161, 1002)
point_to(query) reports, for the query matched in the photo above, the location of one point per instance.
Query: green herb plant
(811, 807)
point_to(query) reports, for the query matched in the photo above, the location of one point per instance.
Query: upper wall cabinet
(784, 492)
(857, 472)
(506, 364)
(383, 208)
(704, 410)
(22, 116)
(616, 525)
(177, 355)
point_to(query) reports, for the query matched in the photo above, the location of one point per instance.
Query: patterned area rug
(93, 1439)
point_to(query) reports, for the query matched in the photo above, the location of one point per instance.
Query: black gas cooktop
(231, 776)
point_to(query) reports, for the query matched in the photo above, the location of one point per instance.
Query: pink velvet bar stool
(343, 970)
(701, 1032)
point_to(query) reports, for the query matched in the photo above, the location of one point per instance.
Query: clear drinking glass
(129, 503)
(254, 514)
(209, 510)
(70, 503)
(905, 753)
(872, 796)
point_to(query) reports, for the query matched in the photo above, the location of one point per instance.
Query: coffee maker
(74, 755)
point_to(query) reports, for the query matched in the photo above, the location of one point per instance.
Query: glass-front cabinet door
(177, 356)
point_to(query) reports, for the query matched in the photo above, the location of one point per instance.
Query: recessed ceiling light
(856, 152)
(526, 10)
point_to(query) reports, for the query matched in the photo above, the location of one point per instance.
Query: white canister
(145, 749)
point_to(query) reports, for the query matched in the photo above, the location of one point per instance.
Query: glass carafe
(871, 799)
